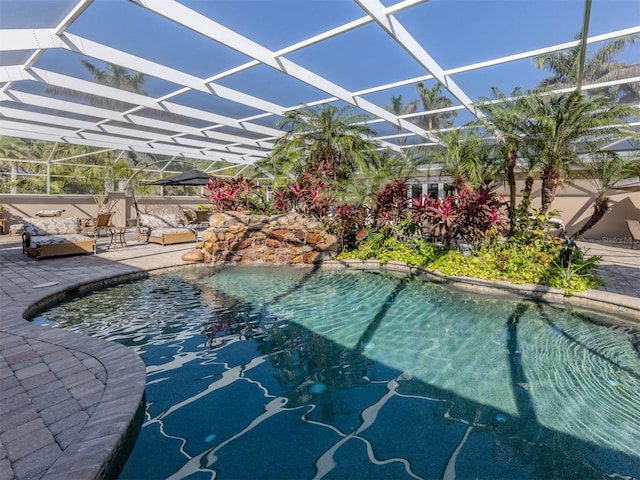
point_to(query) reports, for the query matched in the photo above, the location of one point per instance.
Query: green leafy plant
(573, 272)
(575, 276)
(530, 224)
(516, 261)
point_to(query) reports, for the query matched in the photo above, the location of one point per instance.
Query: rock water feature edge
(236, 237)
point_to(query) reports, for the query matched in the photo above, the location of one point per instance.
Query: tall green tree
(558, 125)
(532, 164)
(504, 118)
(433, 99)
(604, 168)
(113, 76)
(387, 167)
(12, 148)
(398, 108)
(100, 179)
(327, 142)
(598, 67)
(462, 155)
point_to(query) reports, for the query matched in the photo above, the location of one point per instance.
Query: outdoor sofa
(164, 228)
(54, 236)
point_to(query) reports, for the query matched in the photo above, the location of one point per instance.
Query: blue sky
(454, 32)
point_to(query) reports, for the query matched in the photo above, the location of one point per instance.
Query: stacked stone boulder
(283, 239)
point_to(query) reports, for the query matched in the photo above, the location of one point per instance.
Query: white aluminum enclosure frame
(63, 120)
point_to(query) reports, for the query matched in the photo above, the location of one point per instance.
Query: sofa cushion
(36, 241)
(51, 226)
(158, 232)
(49, 213)
(165, 220)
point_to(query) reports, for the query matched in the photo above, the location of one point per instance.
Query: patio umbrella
(190, 177)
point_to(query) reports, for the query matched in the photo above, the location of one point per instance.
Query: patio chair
(634, 230)
(99, 224)
(202, 217)
(191, 219)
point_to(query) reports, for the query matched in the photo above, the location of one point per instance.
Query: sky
(454, 32)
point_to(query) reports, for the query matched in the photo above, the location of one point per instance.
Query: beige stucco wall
(574, 201)
(84, 206)
(18, 206)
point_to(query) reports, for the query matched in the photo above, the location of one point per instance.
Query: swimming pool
(291, 373)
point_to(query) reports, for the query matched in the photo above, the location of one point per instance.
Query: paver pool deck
(66, 400)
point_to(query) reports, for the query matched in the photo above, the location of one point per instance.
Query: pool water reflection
(292, 373)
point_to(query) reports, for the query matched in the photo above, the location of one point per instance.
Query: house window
(433, 190)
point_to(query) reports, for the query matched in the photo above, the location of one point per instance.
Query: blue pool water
(299, 373)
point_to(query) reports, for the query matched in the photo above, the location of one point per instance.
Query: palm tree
(361, 189)
(114, 76)
(101, 179)
(432, 99)
(117, 77)
(604, 168)
(357, 191)
(326, 142)
(558, 124)
(14, 148)
(48, 175)
(398, 108)
(599, 67)
(462, 155)
(33, 175)
(505, 116)
(531, 165)
(388, 166)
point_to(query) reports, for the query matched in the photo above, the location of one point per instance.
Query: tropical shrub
(530, 224)
(307, 196)
(538, 262)
(230, 194)
(391, 206)
(437, 217)
(571, 271)
(470, 216)
(348, 224)
(480, 215)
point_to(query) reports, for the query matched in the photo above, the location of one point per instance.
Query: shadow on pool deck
(66, 399)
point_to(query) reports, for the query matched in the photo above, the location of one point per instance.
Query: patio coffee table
(117, 237)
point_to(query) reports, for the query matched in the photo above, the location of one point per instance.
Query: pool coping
(68, 400)
(93, 448)
(91, 452)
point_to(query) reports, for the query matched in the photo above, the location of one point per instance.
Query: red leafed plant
(227, 194)
(348, 222)
(470, 216)
(391, 205)
(308, 197)
(481, 214)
